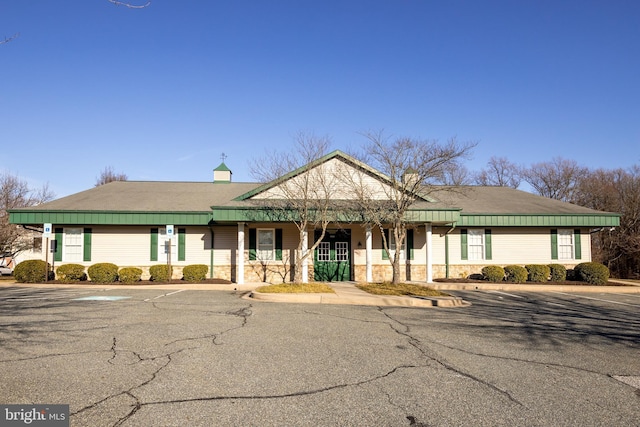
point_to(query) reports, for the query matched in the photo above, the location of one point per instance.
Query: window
(266, 244)
(475, 239)
(167, 245)
(475, 244)
(72, 249)
(342, 251)
(566, 244)
(324, 251)
(392, 247)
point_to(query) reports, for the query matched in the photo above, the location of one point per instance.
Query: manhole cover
(100, 298)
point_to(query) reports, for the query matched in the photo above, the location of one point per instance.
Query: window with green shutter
(86, 251)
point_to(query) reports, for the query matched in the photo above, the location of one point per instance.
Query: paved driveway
(148, 357)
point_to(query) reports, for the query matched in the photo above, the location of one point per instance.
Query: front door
(332, 262)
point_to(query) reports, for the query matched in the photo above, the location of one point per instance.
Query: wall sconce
(359, 245)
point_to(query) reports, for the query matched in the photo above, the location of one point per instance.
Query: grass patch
(400, 289)
(296, 288)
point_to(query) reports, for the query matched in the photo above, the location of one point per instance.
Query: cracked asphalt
(211, 358)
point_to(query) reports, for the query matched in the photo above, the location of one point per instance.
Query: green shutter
(554, 244)
(182, 239)
(577, 244)
(410, 243)
(154, 244)
(464, 249)
(57, 255)
(385, 254)
(278, 244)
(86, 256)
(487, 244)
(252, 244)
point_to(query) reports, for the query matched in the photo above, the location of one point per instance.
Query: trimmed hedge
(558, 272)
(593, 273)
(493, 273)
(103, 272)
(195, 272)
(32, 271)
(515, 274)
(71, 273)
(160, 273)
(537, 272)
(129, 274)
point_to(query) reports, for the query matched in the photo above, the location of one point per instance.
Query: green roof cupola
(222, 173)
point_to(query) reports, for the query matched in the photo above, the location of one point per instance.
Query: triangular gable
(340, 166)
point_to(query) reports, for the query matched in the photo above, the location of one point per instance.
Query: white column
(305, 249)
(240, 256)
(369, 254)
(429, 249)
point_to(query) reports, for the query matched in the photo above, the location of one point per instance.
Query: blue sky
(160, 93)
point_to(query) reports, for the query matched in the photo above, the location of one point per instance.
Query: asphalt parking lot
(153, 357)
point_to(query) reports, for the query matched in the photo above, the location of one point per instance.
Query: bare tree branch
(10, 38)
(129, 5)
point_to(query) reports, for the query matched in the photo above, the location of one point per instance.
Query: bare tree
(414, 168)
(615, 191)
(456, 174)
(16, 193)
(305, 197)
(556, 179)
(109, 175)
(499, 172)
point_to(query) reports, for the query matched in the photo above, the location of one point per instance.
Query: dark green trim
(554, 244)
(253, 244)
(410, 243)
(577, 244)
(154, 245)
(86, 249)
(33, 217)
(182, 242)
(278, 244)
(488, 251)
(464, 245)
(57, 255)
(543, 220)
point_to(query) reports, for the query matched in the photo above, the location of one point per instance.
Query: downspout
(212, 246)
(446, 249)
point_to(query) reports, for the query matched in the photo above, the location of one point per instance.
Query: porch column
(305, 249)
(240, 256)
(369, 254)
(429, 250)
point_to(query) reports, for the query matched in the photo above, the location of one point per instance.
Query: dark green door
(332, 260)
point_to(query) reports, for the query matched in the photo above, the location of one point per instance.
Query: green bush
(493, 273)
(593, 273)
(515, 274)
(103, 272)
(129, 274)
(161, 272)
(195, 272)
(32, 271)
(558, 272)
(537, 272)
(71, 273)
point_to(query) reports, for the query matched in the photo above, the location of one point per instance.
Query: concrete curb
(514, 287)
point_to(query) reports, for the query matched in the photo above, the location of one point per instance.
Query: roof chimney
(222, 173)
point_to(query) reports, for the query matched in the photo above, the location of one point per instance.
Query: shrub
(195, 272)
(130, 274)
(558, 272)
(537, 273)
(572, 274)
(32, 271)
(593, 273)
(103, 272)
(71, 273)
(493, 273)
(515, 273)
(161, 272)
